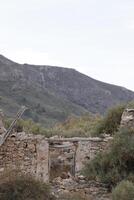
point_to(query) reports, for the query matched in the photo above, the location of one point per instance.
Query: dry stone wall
(27, 153)
(70, 155)
(34, 155)
(62, 160)
(87, 150)
(127, 120)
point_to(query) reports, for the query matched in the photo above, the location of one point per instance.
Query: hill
(54, 93)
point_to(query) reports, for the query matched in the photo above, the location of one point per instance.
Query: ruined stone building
(47, 158)
(40, 157)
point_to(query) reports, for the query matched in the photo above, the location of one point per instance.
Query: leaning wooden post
(8, 132)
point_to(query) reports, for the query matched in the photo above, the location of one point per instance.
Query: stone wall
(87, 150)
(127, 120)
(61, 159)
(27, 153)
(36, 155)
(68, 156)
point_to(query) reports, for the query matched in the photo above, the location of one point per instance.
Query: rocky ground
(88, 190)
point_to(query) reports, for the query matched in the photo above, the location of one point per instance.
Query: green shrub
(130, 105)
(84, 126)
(110, 123)
(124, 191)
(77, 126)
(21, 187)
(115, 164)
(99, 128)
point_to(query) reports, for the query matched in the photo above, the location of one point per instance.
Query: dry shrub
(124, 191)
(14, 186)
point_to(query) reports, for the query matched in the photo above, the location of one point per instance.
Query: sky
(95, 37)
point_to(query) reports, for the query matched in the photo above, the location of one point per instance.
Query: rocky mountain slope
(53, 93)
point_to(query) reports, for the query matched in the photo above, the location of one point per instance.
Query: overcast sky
(95, 37)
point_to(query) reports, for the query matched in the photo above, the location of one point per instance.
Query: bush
(124, 191)
(77, 126)
(111, 122)
(130, 105)
(116, 163)
(20, 187)
(84, 126)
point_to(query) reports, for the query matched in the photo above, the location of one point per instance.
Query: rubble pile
(89, 190)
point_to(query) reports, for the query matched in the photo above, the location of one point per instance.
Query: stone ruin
(68, 156)
(2, 129)
(45, 158)
(127, 120)
(57, 159)
(48, 158)
(25, 153)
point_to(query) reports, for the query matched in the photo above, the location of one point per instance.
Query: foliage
(110, 123)
(29, 127)
(44, 107)
(73, 127)
(91, 125)
(77, 126)
(84, 126)
(21, 187)
(123, 191)
(116, 163)
(130, 105)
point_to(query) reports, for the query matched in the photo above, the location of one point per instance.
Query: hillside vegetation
(52, 94)
(84, 126)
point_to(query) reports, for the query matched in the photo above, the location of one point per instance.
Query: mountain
(54, 93)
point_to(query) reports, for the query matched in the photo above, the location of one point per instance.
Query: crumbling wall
(35, 155)
(127, 120)
(87, 150)
(62, 160)
(72, 154)
(27, 153)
